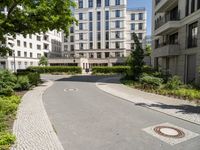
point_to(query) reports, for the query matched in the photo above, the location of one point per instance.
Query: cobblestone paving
(178, 108)
(32, 127)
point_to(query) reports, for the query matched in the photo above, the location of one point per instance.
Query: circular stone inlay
(170, 132)
(71, 90)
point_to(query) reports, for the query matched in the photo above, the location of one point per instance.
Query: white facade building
(104, 31)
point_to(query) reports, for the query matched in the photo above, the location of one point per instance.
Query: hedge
(55, 69)
(110, 70)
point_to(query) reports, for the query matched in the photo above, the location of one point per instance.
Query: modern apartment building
(176, 34)
(28, 50)
(104, 31)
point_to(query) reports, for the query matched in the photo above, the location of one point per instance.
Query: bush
(150, 81)
(22, 83)
(34, 78)
(52, 69)
(174, 83)
(8, 108)
(110, 70)
(7, 82)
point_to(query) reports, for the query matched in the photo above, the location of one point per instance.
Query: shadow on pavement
(185, 109)
(90, 78)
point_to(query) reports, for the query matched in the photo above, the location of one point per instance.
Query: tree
(43, 61)
(135, 61)
(34, 16)
(148, 50)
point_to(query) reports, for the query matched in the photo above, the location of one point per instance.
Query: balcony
(165, 5)
(167, 24)
(164, 50)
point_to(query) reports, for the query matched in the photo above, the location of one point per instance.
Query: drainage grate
(169, 132)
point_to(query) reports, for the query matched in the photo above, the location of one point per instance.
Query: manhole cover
(168, 131)
(70, 89)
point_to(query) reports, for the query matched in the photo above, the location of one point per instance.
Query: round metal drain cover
(71, 90)
(170, 132)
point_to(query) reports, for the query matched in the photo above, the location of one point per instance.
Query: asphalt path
(86, 118)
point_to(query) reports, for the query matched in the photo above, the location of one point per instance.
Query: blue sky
(143, 3)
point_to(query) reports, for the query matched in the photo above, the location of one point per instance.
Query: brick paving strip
(32, 127)
(178, 108)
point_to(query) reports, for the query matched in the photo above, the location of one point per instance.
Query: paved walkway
(178, 108)
(32, 126)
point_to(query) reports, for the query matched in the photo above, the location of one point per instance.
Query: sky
(143, 3)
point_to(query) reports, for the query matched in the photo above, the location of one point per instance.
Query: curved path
(86, 118)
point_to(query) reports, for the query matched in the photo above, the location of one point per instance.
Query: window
(117, 34)
(25, 45)
(98, 26)
(80, 16)
(107, 15)
(99, 45)
(38, 55)
(132, 16)
(107, 2)
(117, 54)
(107, 45)
(18, 53)
(91, 55)
(80, 3)
(30, 45)
(80, 26)
(187, 8)
(71, 30)
(107, 35)
(90, 3)
(80, 45)
(91, 26)
(65, 47)
(18, 42)
(72, 47)
(198, 4)
(90, 16)
(99, 55)
(132, 26)
(117, 13)
(107, 54)
(141, 16)
(39, 47)
(98, 15)
(140, 36)
(98, 3)
(91, 36)
(173, 39)
(91, 45)
(30, 36)
(132, 46)
(193, 6)
(80, 36)
(31, 55)
(117, 2)
(38, 38)
(117, 24)
(99, 36)
(71, 38)
(117, 45)
(140, 26)
(107, 25)
(193, 32)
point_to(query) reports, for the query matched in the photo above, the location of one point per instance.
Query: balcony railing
(157, 2)
(167, 18)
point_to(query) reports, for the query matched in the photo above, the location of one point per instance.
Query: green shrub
(110, 70)
(7, 82)
(34, 78)
(6, 140)
(52, 69)
(150, 81)
(22, 83)
(174, 83)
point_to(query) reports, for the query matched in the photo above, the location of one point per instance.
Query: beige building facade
(176, 38)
